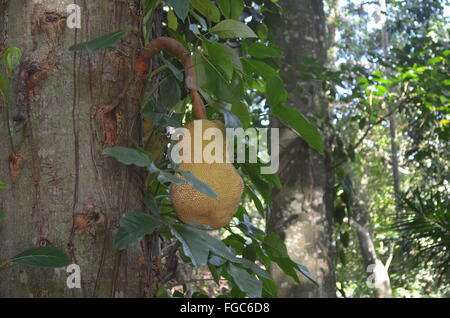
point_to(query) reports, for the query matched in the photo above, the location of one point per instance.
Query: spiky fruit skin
(196, 207)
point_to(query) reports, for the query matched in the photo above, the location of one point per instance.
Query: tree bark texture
(302, 209)
(66, 193)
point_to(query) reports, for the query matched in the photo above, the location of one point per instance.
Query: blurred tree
(302, 209)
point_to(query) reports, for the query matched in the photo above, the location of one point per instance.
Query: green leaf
(259, 206)
(176, 72)
(241, 111)
(275, 246)
(269, 288)
(302, 269)
(170, 93)
(161, 292)
(231, 9)
(198, 243)
(246, 282)
(48, 256)
(262, 51)
(102, 42)
(193, 244)
(172, 21)
(128, 156)
(210, 78)
(276, 94)
(260, 68)
(230, 119)
(207, 9)
(228, 29)
(2, 215)
(4, 88)
(133, 226)
(197, 184)
(235, 58)
(278, 253)
(254, 268)
(3, 186)
(435, 60)
(11, 59)
(263, 31)
(167, 177)
(181, 8)
(293, 118)
(220, 56)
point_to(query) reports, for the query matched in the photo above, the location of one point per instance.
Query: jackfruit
(192, 206)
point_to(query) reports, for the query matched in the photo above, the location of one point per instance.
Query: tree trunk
(392, 121)
(66, 193)
(302, 209)
(377, 271)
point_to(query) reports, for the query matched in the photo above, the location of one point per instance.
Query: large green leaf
(198, 243)
(207, 8)
(302, 269)
(228, 29)
(254, 268)
(262, 51)
(172, 21)
(220, 56)
(11, 59)
(181, 8)
(48, 256)
(275, 246)
(105, 41)
(128, 156)
(258, 204)
(4, 88)
(278, 253)
(231, 9)
(245, 281)
(294, 119)
(230, 119)
(260, 68)
(275, 91)
(241, 111)
(133, 226)
(193, 244)
(269, 288)
(167, 177)
(210, 77)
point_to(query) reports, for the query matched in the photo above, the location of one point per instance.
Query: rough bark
(66, 193)
(302, 209)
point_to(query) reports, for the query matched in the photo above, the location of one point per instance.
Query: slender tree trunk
(302, 208)
(66, 193)
(377, 271)
(392, 122)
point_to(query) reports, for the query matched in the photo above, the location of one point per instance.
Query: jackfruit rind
(192, 206)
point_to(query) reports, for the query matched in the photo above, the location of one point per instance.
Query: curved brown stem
(190, 81)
